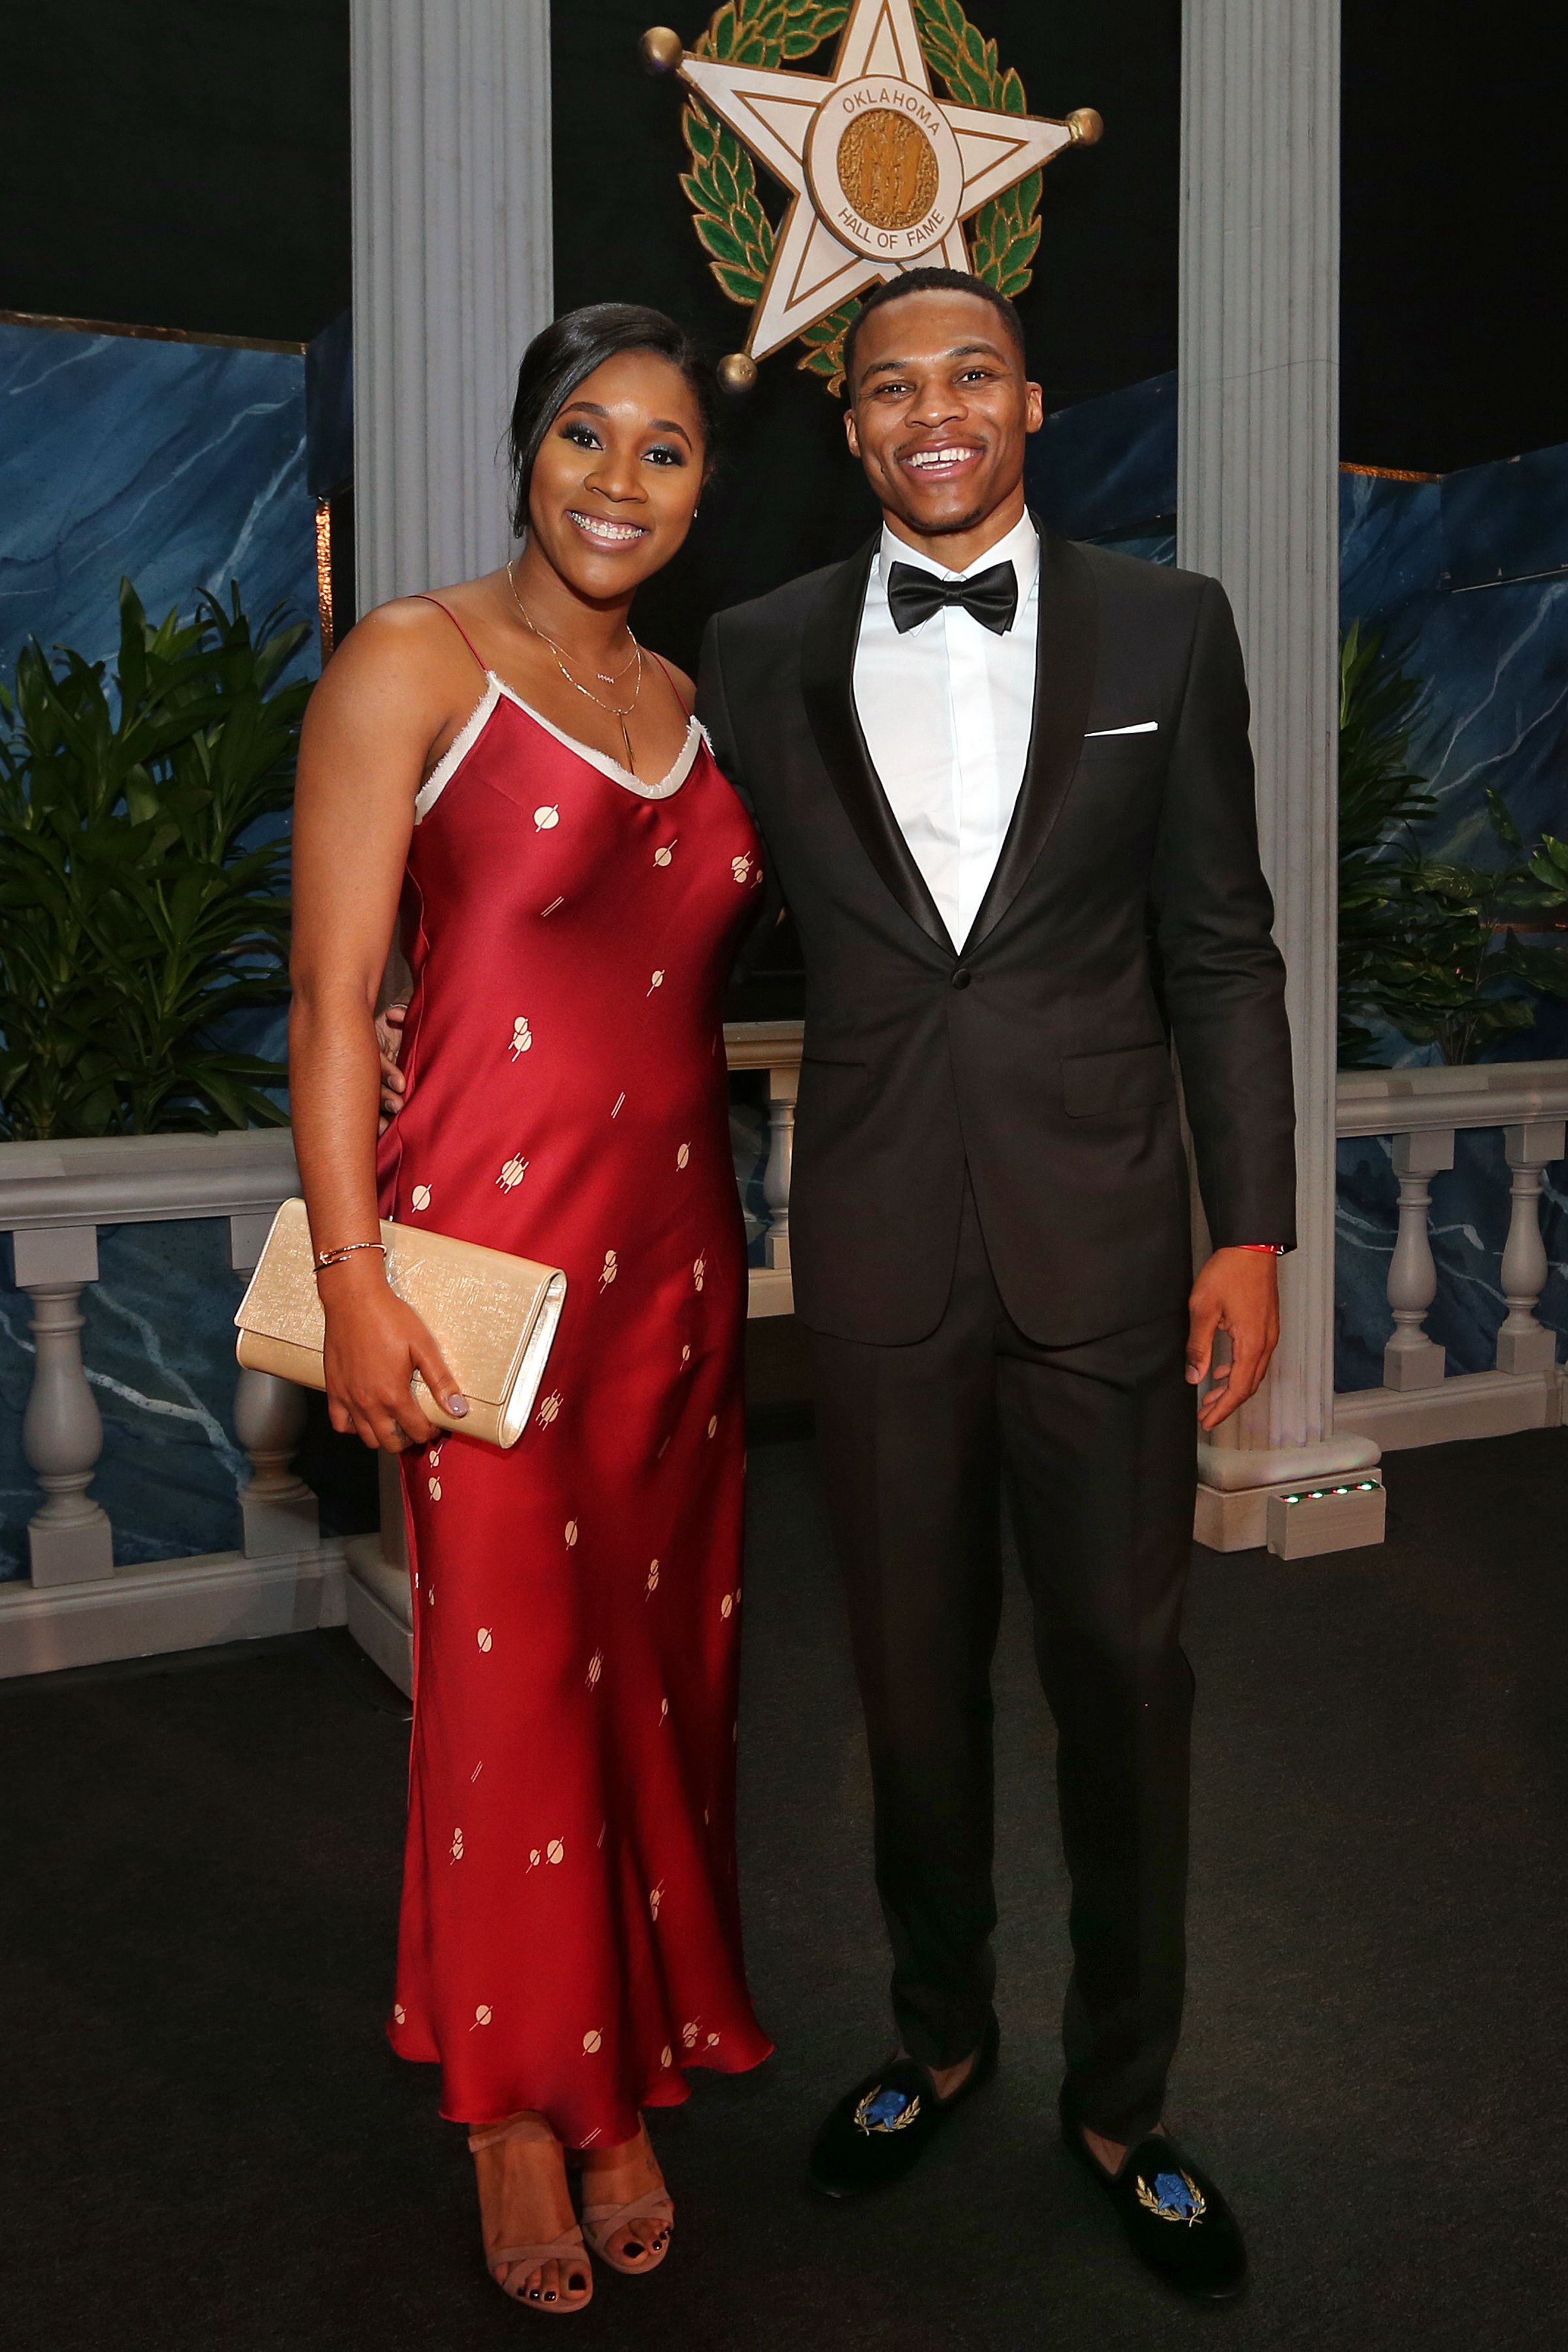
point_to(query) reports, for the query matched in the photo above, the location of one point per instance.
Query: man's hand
(394, 1085)
(1237, 1292)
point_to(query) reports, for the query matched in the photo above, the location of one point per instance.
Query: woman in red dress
(574, 874)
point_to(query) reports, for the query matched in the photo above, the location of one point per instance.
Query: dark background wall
(185, 163)
(178, 163)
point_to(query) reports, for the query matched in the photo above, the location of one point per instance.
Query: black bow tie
(991, 598)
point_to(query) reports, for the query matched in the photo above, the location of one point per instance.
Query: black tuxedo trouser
(1096, 1444)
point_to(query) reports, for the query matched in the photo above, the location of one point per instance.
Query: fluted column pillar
(1258, 504)
(452, 274)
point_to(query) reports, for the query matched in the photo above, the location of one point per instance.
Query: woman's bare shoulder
(683, 686)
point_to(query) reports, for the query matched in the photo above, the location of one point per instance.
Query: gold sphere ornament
(661, 49)
(1086, 125)
(738, 372)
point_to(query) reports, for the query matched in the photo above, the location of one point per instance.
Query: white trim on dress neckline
(496, 690)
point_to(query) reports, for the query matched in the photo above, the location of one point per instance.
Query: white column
(1524, 1344)
(452, 275)
(1411, 1361)
(784, 1087)
(278, 1512)
(69, 1541)
(1258, 504)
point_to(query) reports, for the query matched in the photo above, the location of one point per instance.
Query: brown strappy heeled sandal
(516, 2269)
(600, 2224)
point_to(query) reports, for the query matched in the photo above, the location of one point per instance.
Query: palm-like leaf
(137, 907)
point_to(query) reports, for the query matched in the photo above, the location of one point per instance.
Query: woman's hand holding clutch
(374, 1345)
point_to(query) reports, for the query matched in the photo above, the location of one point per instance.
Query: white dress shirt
(946, 710)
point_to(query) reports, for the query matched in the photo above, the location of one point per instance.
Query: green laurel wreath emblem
(721, 184)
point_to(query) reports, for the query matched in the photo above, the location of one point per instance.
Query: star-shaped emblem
(881, 173)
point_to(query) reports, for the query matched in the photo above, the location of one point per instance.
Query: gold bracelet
(336, 1257)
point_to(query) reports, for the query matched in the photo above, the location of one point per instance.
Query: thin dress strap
(670, 674)
(422, 599)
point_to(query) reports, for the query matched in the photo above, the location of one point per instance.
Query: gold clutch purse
(493, 1315)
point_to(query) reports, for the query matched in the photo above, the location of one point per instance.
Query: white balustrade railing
(78, 1607)
(1422, 1112)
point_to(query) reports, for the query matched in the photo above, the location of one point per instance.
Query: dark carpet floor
(205, 2143)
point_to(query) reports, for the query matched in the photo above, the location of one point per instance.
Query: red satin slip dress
(570, 1935)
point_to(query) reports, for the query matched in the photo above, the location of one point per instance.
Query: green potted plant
(1450, 954)
(139, 909)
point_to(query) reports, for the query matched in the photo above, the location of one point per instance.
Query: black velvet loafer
(1175, 2219)
(881, 2130)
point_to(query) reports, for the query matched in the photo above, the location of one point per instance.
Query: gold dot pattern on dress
(683, 1156)
(420, 1196)
(483, 2014)
(485, 1637)
(571, 1532)
(595, 1668)
(546, 819)
(652, 1584)
(665, 2056)
(593, 2041)
(555, 1851)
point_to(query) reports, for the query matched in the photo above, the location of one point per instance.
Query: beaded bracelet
(336, 1257)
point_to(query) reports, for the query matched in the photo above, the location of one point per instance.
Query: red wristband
(1265, 1249)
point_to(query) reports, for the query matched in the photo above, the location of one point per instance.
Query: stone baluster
(1524, 1344)
(1411, 1361)
(783, 1086)
(278, 1511)
(69, 1541)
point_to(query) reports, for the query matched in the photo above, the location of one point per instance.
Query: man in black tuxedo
(1006, 788)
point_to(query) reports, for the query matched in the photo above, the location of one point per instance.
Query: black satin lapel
(1068, 648)
(827, 685)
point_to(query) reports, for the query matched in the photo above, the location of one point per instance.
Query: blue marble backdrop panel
(179, 465)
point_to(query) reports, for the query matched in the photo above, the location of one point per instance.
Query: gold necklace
(604, 676)
(620, 712)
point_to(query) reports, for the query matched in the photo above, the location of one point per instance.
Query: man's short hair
(927, 281)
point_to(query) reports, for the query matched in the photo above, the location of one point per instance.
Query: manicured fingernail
(457, 1406)
(633, 2246)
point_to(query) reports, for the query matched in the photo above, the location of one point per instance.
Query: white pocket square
(1144, 727)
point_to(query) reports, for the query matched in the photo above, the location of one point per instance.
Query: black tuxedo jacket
(1127, 908)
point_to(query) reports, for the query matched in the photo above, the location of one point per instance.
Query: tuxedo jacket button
(961, 978)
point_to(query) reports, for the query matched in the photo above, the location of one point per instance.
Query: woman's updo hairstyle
(567, 352)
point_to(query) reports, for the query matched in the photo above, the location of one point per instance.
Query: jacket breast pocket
(1129, 1078)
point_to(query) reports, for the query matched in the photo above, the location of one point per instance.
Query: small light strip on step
(1321, 1493)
